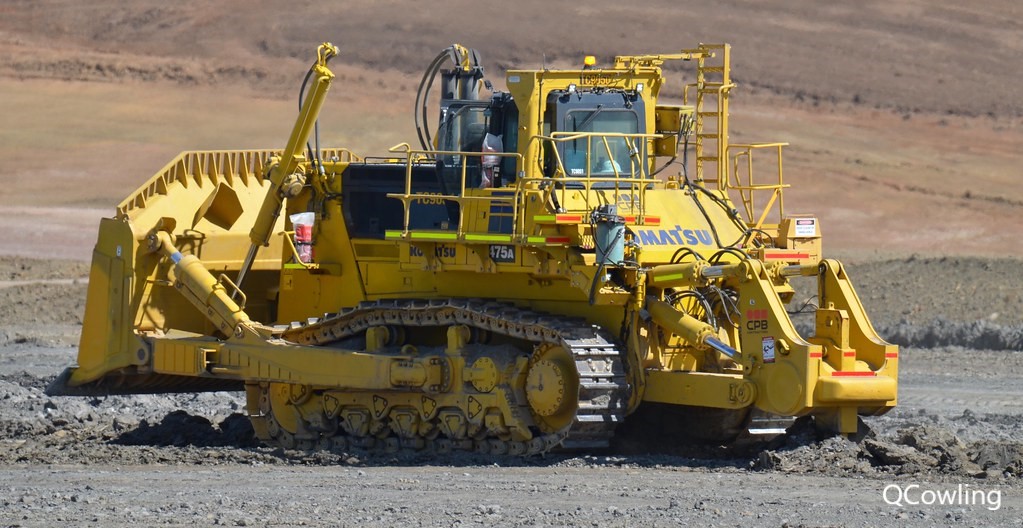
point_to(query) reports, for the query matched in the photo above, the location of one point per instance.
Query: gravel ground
(174, 460)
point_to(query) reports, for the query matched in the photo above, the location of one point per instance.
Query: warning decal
(768, 348)
(806, 227)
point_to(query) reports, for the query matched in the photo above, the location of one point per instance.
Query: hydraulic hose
(422, 97)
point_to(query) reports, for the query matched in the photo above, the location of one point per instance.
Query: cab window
(592, 150)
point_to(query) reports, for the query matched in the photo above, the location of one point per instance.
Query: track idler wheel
(552, 388)
(279, 403)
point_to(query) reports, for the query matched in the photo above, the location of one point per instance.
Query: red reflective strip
(849, 354)
(647, 220)
(568, 218)
(816, 355)
(557, 240)
(756, 314)
(854, 374)
(892, 355)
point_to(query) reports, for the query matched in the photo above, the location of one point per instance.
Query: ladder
(713, 83)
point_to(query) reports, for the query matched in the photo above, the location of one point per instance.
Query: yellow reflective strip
(536, 240)
(414, 235)
(673, 276)
(545, 218)
(392, 234)
(487, 238)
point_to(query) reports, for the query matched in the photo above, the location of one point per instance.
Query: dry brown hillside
(904, 116)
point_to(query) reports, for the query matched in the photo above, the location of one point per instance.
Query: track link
(603, 388)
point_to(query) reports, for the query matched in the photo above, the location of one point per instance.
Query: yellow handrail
(635, 185)
(747, 193)
(408, 197)
(289, 243)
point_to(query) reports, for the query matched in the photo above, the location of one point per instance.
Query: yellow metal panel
(106, 336)
(723, 391)
(186, 358)
(855, 389)
(390, 279)
(681, 223)
(306, 293)
(668, 120)
(365, 249)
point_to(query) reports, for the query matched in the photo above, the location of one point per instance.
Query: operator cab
(477, 126)
(592, 128)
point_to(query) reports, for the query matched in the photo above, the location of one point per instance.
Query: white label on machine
(806, 227)
(768, 347)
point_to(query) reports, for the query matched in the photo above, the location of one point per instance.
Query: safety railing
(750, 191)
(632, 183)
(292, 249)
(412, 157)
(556, 188)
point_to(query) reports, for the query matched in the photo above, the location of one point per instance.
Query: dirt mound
(42, 303)
(920, 290)
(38, 429)
(42, 314)
(40, 299)
(927, 445)
(979, 335)
(178, 428)
(932, 302)
(15, 268)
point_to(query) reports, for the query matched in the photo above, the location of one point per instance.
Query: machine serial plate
(502, 253)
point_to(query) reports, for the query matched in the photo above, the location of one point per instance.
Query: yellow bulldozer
(551, 260)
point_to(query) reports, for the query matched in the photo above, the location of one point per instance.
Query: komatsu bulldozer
(549, 261)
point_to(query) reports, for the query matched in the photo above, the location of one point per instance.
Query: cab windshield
(592, 149)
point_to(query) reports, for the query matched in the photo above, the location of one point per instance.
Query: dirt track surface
(75, 461)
